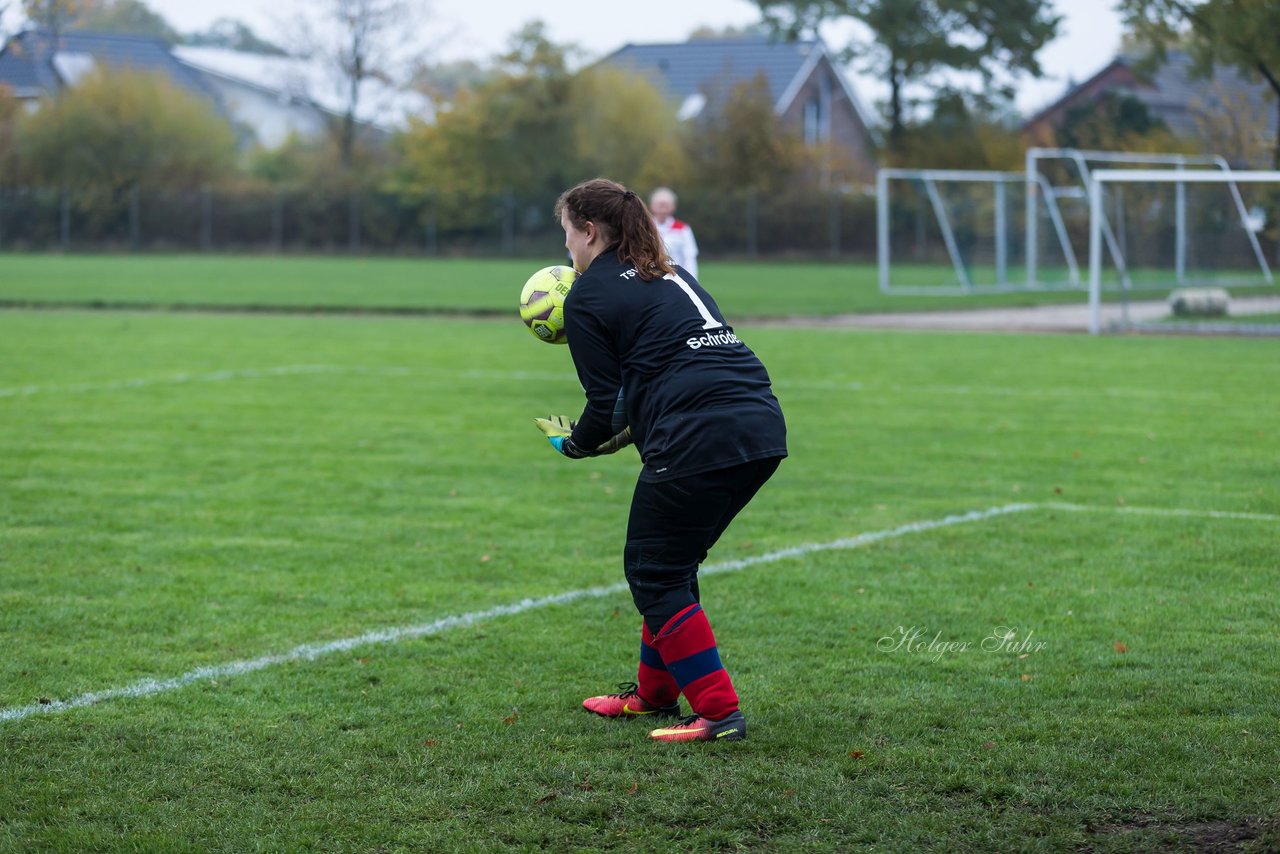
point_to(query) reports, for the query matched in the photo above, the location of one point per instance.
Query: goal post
(1102, 179)
(972, 216)
(1085, 162)
(929, 179)
(961, 232)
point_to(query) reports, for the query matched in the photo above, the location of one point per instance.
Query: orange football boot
(732, 727)
(627, 704)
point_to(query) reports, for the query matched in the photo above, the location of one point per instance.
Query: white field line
(1161, 511)
(280, 371)
(307, 652)
(869, 537)
(212, 377)
(566, 376)
(295, 370)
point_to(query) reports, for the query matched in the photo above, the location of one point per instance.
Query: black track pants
(674, 524)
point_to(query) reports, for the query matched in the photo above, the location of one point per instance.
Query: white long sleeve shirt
(681, 246)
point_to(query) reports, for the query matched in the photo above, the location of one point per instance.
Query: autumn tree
(740, 143)
(233, 35)
(1232, 127)
(706, 32)
(1115, 122)
(530, 127)
(441, 81)
(124, 16)
(119, 130)
(10, 115)
(910, 40)
(514, 131)
(510, 135)
(1242, 33)
(962, 131)
(625, 129)
(53, 18)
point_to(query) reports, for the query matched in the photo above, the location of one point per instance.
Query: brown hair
(623, 218)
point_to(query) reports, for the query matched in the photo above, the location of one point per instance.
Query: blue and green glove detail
(558, 428)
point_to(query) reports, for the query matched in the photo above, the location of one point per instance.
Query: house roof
(1176, 93)
(689, 70)
(30, 67)
(31, 64)
(380, 105)
(18, 72)
(1172, 92)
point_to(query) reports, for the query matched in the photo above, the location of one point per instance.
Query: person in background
(676, 234)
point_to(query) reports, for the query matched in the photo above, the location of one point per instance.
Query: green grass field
(456, 285)
(186, 491)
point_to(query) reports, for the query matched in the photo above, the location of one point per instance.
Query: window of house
(812, 123)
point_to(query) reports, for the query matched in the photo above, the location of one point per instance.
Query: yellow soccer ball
(542, 302)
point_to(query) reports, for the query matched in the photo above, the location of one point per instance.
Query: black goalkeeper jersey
(696, 397)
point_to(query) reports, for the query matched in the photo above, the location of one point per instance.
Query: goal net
(1214, 254)
(950, 231)
(963, 232)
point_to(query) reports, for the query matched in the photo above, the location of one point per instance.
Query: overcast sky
(478, 29)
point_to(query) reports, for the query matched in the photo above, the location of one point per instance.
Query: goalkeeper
(700, 408)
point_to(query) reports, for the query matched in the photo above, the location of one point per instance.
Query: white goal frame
(1178, 169)
(1080, 159)
(1097, 213)
(929, 179)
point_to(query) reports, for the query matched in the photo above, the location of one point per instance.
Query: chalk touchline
(481, 373)
(212, 376)
(310, 651)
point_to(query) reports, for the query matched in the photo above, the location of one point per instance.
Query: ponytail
(623, 218)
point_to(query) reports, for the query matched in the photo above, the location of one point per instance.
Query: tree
(443, 80)
(10, 114)
(730, 32)
(119, 130)
(1113, 121)
(623, 128)
(359, 40)
(54, 17)
(531, 127)
(909, 40)
(125, 16)
(1242, 33)
(1229, 126)
(514, 132)
(234, 35)
(962, 132)
(741, 144)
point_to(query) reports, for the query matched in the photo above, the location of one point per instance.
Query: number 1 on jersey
(709, 322)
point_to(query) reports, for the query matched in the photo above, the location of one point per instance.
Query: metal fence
(797, 223)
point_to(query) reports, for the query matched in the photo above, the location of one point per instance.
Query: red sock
(688, 650)
(656, 686)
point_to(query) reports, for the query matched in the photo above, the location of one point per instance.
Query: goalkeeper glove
(617, 443)
(557, 429)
